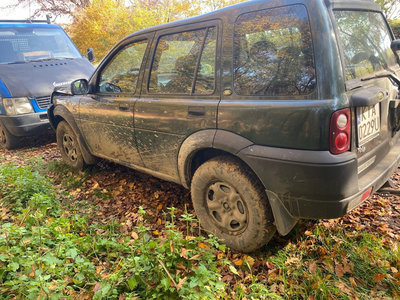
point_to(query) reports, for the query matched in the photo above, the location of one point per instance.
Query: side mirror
(395, 46)
(79, 87)
(90, 54)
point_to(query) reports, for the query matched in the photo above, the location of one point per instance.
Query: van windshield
(24, 44)
(365, 39)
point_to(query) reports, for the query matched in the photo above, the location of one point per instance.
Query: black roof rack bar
(48, 20)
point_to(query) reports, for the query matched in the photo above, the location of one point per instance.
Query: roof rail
(48, 20)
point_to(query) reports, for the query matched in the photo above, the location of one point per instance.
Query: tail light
(339, 131)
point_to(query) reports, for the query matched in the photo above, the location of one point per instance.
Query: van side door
(106, 116)
(181, 94)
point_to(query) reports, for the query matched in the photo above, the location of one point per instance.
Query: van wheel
(230, 202)
(7, 140)
(68, 144)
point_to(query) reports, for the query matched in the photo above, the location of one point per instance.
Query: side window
(273, 53)
(121, 74)
(205, 80)
(184, 63)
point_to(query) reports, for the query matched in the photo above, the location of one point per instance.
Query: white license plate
(368, 123)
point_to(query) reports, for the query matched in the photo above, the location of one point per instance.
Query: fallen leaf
(378, 277)
(238, 262)
(203, 245)
(353, 282)
(339, 271)
(180, 283)
(134, 235)
(312, 267)
(96, 287)
(343, 287)
(249, 260)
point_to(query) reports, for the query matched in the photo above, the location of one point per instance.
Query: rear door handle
(196, 111)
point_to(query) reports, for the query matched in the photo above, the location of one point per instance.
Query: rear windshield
(365, 39)
(24, 44)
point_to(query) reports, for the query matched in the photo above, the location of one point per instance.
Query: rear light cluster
(339, 131)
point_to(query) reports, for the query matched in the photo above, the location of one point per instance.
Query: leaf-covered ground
(354, 257)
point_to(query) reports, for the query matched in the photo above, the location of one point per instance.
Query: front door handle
(196, 111)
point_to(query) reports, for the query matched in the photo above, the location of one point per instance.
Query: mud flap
(284, 221)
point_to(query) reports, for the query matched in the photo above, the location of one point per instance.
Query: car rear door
(180, 95)
(371, 69)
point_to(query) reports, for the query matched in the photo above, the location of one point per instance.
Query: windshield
(24, 44)
(365, 40)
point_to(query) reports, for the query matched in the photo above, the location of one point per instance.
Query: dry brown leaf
(353, 282)
(292, 260)
(134, 235)
(238, 262)
(248, 259)
(96, 287)
(339, 270)
(180, 283)
(312, 267)
(343, 287)
(203, 245)
(378, 277)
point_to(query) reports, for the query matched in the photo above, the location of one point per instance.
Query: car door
(106, 117)
(180, 96)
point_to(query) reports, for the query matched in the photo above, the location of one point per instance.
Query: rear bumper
(27, 125)
(317, 184)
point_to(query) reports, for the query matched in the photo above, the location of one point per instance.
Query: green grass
(52, 246)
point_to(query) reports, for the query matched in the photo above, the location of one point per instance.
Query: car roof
(363, 4)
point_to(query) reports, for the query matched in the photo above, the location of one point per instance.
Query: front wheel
(7, 140)
(230, 202)
(68, 144)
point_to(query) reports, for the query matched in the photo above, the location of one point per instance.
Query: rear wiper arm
(383, 75)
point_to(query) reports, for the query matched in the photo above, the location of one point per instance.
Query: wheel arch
(204, 145)
(60, 113)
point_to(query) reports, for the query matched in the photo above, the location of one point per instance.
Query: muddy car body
(34, 58)
(270, 111)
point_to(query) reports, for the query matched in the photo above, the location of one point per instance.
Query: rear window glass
(273, 53)
(184, 63)
(365, 40)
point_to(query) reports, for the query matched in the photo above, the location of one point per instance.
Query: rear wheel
(231, 202)
(7, 140)
(68, 144)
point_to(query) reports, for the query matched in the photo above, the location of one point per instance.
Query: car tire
(231, 203)
(7, 140)
(69, 146)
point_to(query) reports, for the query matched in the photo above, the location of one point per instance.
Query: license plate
(368, 123)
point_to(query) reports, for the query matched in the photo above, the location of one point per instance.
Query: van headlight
(17, 106)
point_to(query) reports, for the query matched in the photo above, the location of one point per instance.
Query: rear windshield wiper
(384, 75)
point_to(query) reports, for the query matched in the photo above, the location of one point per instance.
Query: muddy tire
(231, 202)
(68, 144)
(7, 140)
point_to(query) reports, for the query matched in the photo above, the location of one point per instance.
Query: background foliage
(99, 24)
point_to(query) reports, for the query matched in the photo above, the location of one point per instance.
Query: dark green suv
(269, 111)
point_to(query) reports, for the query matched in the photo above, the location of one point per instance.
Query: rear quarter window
(273, 53)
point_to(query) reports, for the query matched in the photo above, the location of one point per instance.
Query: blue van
(35, 57)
